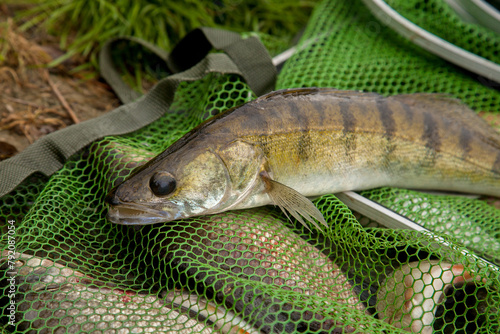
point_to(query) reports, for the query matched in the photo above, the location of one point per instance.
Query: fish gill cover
(253, 270)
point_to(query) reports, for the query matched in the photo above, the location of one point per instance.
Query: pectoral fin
(291, 201)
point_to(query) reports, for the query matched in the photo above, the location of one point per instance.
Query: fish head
(185, 183)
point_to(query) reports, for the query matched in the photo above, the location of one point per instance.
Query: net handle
(189, 61)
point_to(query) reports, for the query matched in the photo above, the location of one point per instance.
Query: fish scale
(297, 143)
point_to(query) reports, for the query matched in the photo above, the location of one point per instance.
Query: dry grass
(16, 52)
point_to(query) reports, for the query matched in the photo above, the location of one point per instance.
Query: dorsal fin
(288, 92)
(452, 109)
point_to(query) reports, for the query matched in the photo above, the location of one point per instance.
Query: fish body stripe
(431, 133)
(348, 118)
(408, 112)
(295, 112)
(496, 165)
(465, 140)
(320, 111)
(304, 146)
(386, 117)
(349, 128)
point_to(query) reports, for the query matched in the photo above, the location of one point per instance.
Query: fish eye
(162, 183)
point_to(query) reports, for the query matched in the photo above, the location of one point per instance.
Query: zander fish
(292, 144)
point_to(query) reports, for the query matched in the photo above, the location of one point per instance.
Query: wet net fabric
(253, 270)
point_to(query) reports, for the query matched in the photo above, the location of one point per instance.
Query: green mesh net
(347, 48)
(254, 271)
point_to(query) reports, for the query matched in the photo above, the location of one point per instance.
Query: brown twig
(12, 73)
(61, 98)
(26, 103)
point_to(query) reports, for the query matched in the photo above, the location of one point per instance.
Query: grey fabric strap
(48, 154)
(249, 55)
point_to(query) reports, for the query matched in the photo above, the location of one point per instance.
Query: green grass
(84, 25)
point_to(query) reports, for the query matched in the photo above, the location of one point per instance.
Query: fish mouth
(133, 214)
